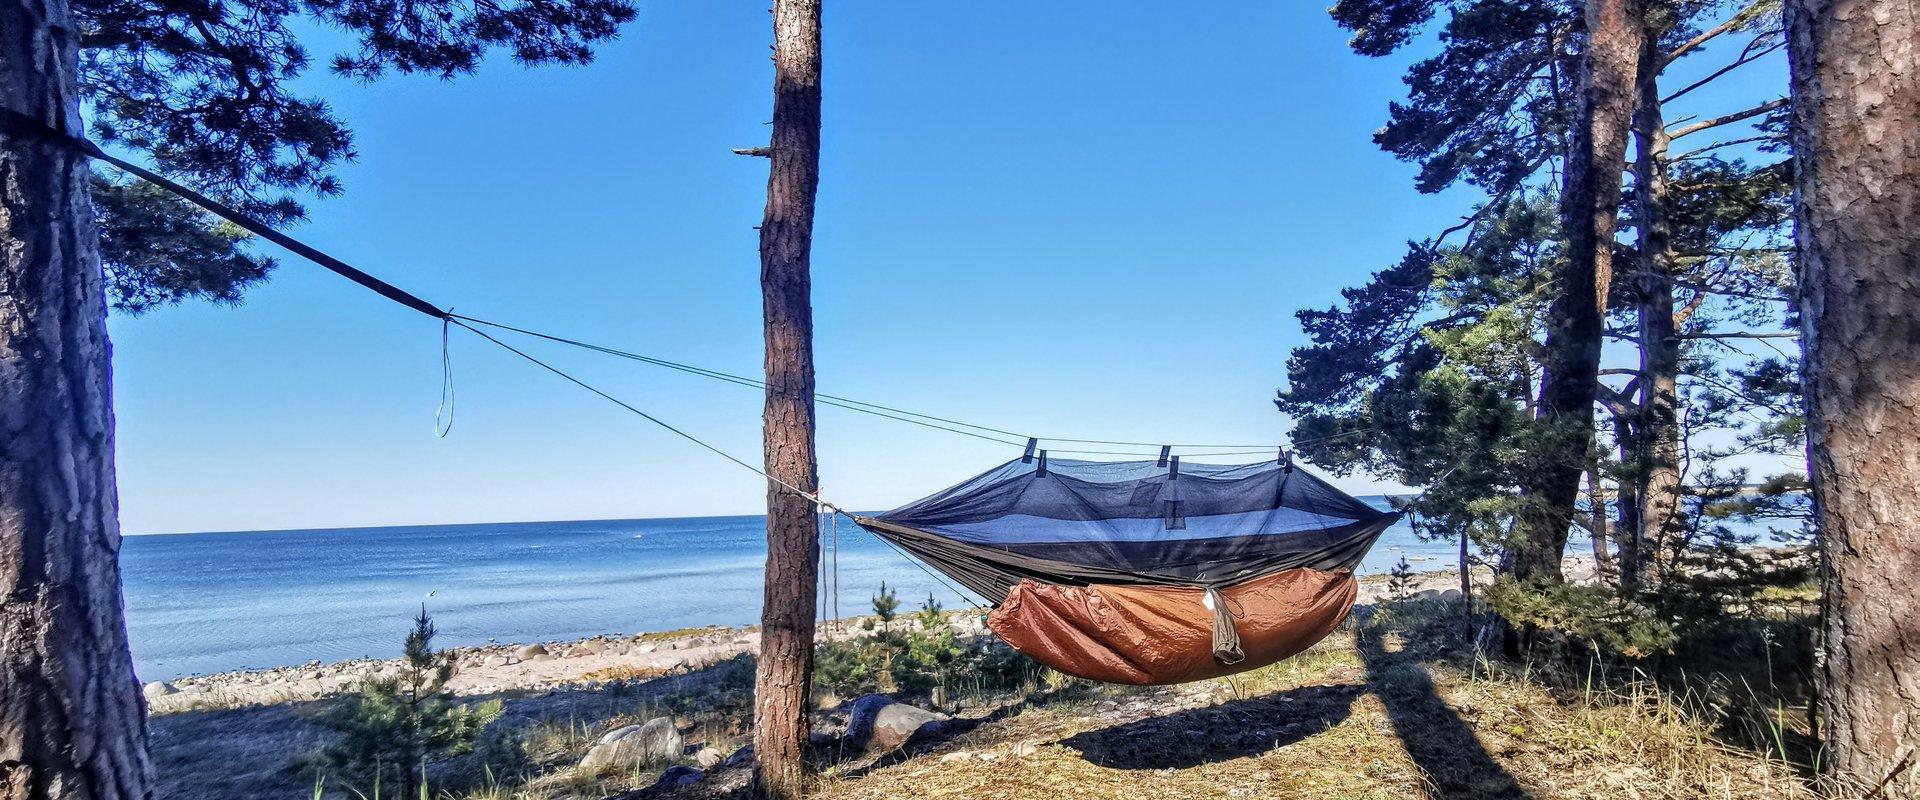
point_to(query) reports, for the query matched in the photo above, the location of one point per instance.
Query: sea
(213, 602)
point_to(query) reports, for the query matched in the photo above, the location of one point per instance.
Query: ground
(1396, 704)
(1371, 713)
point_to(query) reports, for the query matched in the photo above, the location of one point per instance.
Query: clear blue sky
(1080, 219)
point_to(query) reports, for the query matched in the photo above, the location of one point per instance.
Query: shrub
(915, 661)
(395, 726)
(1597, 615)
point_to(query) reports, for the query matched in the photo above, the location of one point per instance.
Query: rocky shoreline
(493, 668)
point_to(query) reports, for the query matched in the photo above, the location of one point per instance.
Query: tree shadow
(1239, 729)
(837, 751)
(1438, 740)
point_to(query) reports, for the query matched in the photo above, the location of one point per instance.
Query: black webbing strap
(17, 124)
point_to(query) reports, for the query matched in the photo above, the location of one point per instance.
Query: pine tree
(785, 673)
(886, 606)
(396, 726)
(1856, 137)
(208, 92)
(1432, 371)
(930, 613)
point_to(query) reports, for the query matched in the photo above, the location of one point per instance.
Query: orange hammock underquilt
(1157, 635)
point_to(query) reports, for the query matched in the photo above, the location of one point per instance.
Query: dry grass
(624, 672)
(1393, 707)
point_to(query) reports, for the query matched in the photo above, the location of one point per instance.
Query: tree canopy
(206, 91)
(1428, 372)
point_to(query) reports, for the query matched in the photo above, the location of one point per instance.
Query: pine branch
(1728, 119)
(1747, 56)
(1770, 137)
(1743, 335)
(1742, 17)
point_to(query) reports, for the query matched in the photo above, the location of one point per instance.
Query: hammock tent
(1147, 572)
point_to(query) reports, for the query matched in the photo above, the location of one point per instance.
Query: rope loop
(443, 416)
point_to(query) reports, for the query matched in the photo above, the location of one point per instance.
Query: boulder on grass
(878, 723)
(655, 742)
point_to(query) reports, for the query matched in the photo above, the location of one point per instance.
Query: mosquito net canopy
(1137, 571)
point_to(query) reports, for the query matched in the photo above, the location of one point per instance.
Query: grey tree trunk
(1856, 136)
(1590, 202)
(793, 535)
(1656, 460)
(72, 720)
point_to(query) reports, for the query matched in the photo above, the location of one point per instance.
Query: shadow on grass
(837, 752)
(1238, 729)
(1438, 740)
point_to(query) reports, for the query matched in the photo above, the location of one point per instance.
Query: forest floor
(1397, 703)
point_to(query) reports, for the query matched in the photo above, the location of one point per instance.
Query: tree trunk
(1856, 135)
(1628, 498)
(1597, 500)
(793, 535)
(1590, 203)
(72, 720)
(1657, 454)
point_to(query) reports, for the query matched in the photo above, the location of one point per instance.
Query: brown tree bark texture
(1656, 452)
(1856, 136)
(786, 241)
(72, 720)
(1590, 202)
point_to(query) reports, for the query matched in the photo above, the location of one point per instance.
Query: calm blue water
(210, 602)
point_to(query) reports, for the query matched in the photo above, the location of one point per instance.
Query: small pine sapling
(931, 615)
(886, 606)
(1400, 581)
(397, 724)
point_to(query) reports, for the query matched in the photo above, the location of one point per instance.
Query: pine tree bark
(786, 243)
(1590, 202)
(72, 720)
(1655, 465)
(1597, 500)
(1856, 134)
(1626, 439)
